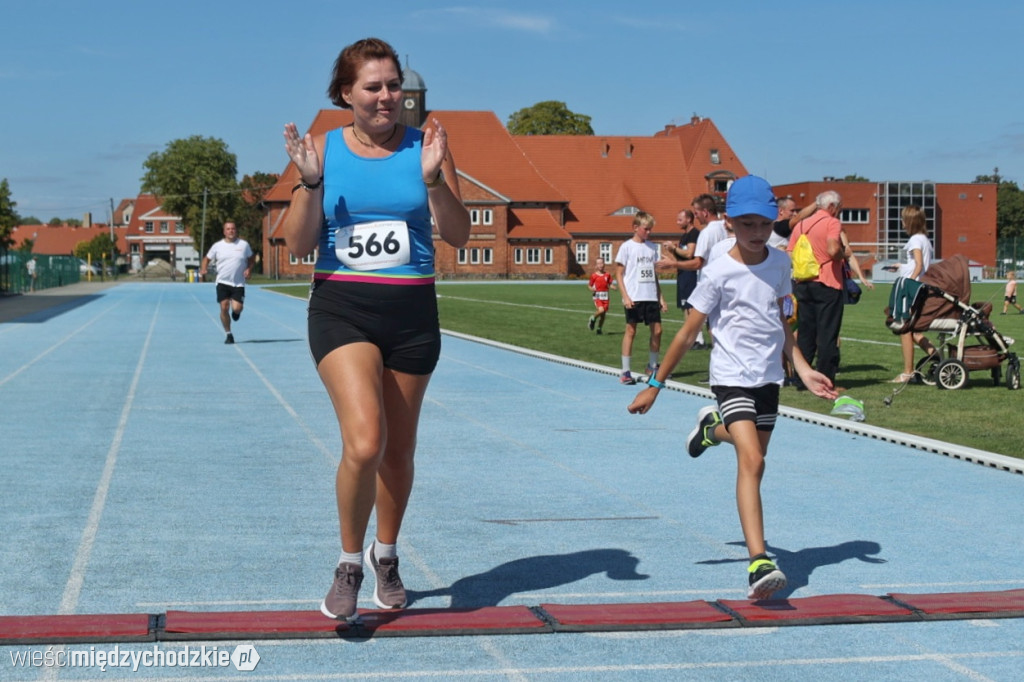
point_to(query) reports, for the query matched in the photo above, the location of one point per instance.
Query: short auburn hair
(347, 65)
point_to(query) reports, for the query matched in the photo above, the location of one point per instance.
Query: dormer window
(627, 210)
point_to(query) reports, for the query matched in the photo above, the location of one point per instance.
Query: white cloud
(529, 23)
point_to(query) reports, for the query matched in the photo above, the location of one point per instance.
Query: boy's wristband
(654, 383)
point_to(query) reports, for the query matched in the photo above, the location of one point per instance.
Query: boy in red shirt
(600, 283)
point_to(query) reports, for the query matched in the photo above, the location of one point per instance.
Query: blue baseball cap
(751, 194)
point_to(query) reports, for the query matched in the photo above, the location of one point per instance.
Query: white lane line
(577, 311)
(73, 589)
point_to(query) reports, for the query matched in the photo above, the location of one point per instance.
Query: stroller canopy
(952, 276)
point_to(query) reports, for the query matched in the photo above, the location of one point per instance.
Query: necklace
(355, 134)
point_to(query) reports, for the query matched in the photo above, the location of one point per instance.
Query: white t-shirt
(742, 305)
(917, 242)
(712, 233)
(639, 279)
(721, 248)
(231, 259)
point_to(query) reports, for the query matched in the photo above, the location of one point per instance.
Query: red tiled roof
(61, 240)
(535, 223)
(604, 175)
(147, 208)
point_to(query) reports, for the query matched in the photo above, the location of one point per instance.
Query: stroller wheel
(1013, 376)
(951, 374)
(925, 369)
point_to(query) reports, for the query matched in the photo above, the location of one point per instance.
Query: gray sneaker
(340, 602)
(389, 592)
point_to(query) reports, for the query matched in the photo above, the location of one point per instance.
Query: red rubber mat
(250, 624)
(493, 620)
(1005, 604)
(312, 624)
(668, 615)
(824, 610)
(76, 628)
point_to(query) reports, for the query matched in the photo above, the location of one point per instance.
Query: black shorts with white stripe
(740, 403)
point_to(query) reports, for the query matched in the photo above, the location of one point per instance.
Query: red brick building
(961, 217)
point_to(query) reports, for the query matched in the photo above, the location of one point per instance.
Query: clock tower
(414, 99)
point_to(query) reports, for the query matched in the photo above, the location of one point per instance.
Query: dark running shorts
(226, 291)
(759, 405)
(647, 312)
(400, 320)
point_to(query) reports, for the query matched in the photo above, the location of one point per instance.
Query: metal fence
(50, 271)
(1009, 256)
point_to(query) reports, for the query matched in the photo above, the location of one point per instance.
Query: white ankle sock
(382, 551)
(348, 558)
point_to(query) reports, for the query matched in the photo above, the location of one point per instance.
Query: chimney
(694, 120)
(87, 220)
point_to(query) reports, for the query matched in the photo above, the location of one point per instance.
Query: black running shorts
(226, 292)
(759, 405)
(647, 312)
(400, 320)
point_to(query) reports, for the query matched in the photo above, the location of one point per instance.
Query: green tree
(855, 178)
(101, 249)
(181, 174)
(549, 118)
(1009, 205)
(249, 217)
(8, 216)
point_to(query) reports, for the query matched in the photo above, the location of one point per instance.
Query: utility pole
(202, 238)
(113, 242)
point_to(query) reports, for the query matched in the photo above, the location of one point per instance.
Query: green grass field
(552, 317)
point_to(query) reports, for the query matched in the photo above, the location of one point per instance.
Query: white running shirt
(742, 305)
(639, 278)
(231, 260)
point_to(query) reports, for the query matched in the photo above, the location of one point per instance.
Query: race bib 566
(374, 245)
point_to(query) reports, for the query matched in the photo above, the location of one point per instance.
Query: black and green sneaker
(765, 579)
(702, 437)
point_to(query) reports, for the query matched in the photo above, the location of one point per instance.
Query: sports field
(165, 492)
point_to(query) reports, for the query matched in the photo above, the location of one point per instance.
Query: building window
(488, 216)
(165, 228)
(606, 251)
(549, 256)
(462, 256)
(855, 215)
(519, 257)
(474, 256)
(309, 259)
(474, 216)
(488, 256)
(715, 159)
(179, 228)
(627, 210)
(149, 227)
(533, 256)
(893, 197)
(582, 253)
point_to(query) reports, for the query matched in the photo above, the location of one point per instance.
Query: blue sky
(901, 90)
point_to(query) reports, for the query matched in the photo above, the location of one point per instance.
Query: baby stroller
(940, 303)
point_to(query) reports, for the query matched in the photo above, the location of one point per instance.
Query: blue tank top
(376, 217)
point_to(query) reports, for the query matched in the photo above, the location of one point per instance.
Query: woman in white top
(919, 258)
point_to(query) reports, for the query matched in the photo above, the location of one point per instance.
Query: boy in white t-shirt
(641, 292)
(740, 294)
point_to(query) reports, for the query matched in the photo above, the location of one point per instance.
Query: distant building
(961, 218)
